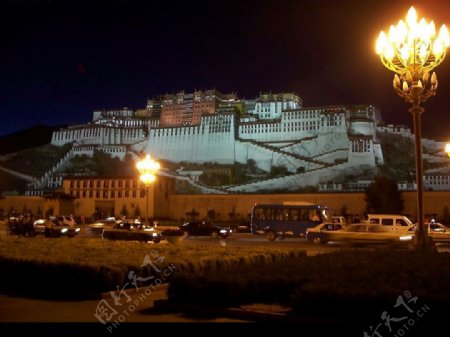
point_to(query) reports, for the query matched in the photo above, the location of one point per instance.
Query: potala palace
(315, 144)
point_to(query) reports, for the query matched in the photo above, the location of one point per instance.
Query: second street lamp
(147, 168)
(412, 50)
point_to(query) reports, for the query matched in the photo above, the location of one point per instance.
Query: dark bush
(360, 278)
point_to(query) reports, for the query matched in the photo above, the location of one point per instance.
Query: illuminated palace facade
(315, 144)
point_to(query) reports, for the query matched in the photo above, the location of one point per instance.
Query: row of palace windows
(277, 128)
(214, 129)
(107, 194)
(361, 146)
(301, 114)
(127, 183)
(105, 183)
(437, 178)
(183, 131)
(94, 133)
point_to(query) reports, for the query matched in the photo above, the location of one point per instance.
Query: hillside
(29, 138)
(10, 184)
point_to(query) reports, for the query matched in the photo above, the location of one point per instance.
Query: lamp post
(147, 168)
(412, 50)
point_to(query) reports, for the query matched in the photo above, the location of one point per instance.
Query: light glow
(447, 149)
(147, 168)
(412, 44)
(412, 49)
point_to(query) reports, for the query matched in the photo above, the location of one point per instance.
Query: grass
(354, 279)
(75, 265)
(231, 276)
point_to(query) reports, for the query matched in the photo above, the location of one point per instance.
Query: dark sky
(60, 60)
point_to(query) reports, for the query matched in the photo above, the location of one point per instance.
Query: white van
(395, 222)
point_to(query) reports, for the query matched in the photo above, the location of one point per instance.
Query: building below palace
(104, 197)
(164, 204)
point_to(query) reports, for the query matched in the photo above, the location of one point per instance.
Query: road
(239, 240)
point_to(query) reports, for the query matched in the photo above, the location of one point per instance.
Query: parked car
(243, 227)
(392, 222)
(339, 220)
(20, 224)
(66, 220)
(100, 225)
(314, 234)
(437, 231)
(132, 230)
(204, 228)
(363, 233)
(55, 227)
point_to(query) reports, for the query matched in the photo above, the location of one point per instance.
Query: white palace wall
(310, 138)
(98, 135)
(212, 141)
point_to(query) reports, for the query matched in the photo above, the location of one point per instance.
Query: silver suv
(395, 222)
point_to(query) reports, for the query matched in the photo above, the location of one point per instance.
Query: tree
(49, 212)
(383, 196)
(137, 211)
(233, 215)
(251, 164)
(276, 171)
(192, 214)
(344, 211)
(124, 211)
(211, 214)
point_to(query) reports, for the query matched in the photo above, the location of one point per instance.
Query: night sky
(60, 60)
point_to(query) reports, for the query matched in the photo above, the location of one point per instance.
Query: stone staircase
(292, 181)
(295, 158)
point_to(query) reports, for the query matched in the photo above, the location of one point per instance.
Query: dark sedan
(53, 228)
(204, 228)
(132, 231)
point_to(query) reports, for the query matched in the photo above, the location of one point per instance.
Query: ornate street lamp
(147, 168)
(412, 50)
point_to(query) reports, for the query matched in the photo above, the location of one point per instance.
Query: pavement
(149, 309)
(18, 309)
(149, 306)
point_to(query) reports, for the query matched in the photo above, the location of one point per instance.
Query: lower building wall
(22, 203)
(36, 205)
(224, 206)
